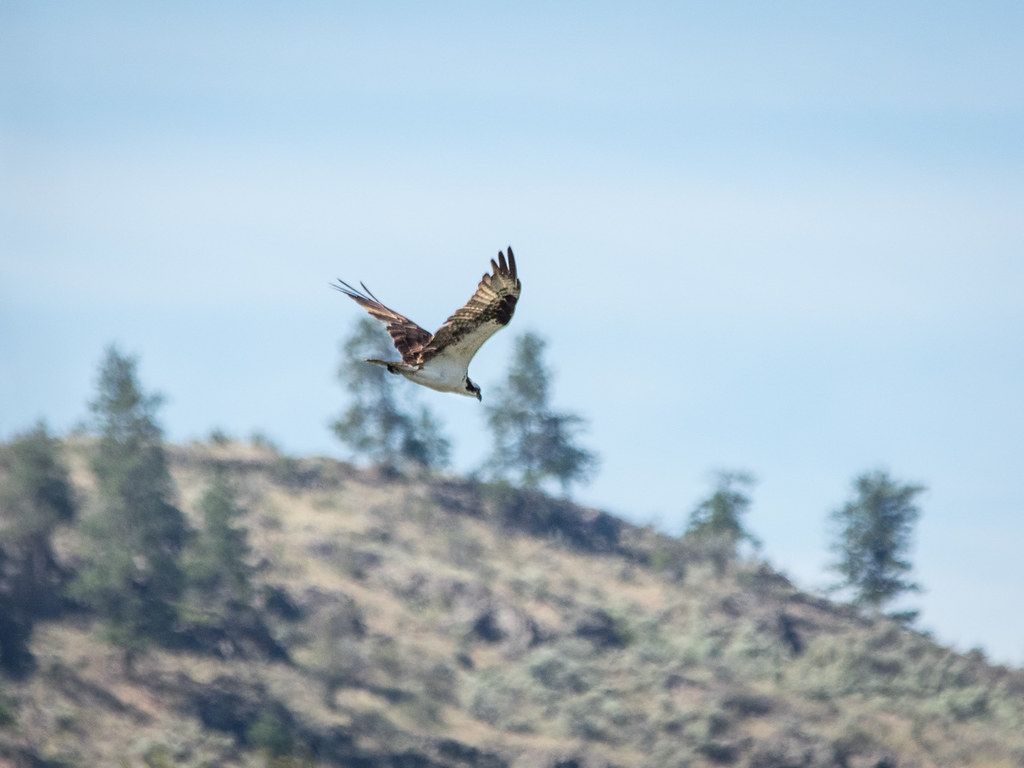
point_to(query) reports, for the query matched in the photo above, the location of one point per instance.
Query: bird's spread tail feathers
(394, 366)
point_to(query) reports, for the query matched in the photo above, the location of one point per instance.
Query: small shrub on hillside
(337, 663)
(499, 700)
(358, 563)
(289, 472)
(264, 442)
(538, 514)
(854, 738)
(277, 601)
(754, 651)
(671, 557)
(654, 649)
(273, 732)
(721, 752)
(464, 548)
(763, 580)
(158, 756)
(386, 656)
(941, 671)
(6, 710)
(291, 761)
(1006, 697)
(791, 748)
(15, 632)
(747, 704)
(888, 663)
(424, 711)
(559, 673)
(604, 629)
(709, 725)
(441, 683)
(599, 715)
(670, 752)
(337, 656)
(968, 703)
(219, 437)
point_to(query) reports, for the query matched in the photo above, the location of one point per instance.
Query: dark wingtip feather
(512, 263)
(347, 289)
(370, 293)
(494, 267)
(501, 261)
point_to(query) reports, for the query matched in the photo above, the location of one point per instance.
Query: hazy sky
(784, 237)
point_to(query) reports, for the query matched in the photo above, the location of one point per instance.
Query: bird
(440, 360)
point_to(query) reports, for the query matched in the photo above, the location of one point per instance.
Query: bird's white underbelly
(441, 375)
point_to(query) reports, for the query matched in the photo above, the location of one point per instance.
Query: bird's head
(472, 390)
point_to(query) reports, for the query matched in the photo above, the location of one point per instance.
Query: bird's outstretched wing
(488, 310)
(408, 337)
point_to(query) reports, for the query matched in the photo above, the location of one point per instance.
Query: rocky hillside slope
(414, 622)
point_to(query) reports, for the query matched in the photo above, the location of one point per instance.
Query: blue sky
(781, 237)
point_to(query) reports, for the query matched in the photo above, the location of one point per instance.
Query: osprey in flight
(441, 360)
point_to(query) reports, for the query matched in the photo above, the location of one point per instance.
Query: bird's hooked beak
(479, 396)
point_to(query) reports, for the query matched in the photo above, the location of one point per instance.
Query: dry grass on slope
(456, 624)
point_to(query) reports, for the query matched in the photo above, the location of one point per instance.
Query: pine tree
(16, 619)
(875, 531)
(717, 522)
(35, 498)
(532, 442)
(133, 577)
(218, 565)
(423, 441)
(378, 425)
(219, 613)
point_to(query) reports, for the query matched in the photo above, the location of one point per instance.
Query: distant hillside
(419, 623)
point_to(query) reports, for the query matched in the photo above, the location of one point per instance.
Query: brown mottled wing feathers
(489, 309)
(408, 337)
